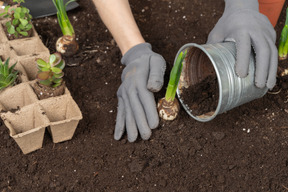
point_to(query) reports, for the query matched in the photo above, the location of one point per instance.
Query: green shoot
(7, 74)
(283, 43)
(63, 20)
(174, 77)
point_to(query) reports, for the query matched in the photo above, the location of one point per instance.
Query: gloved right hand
(143, 74)
(247, 27)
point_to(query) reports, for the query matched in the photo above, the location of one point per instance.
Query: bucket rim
(205, 118)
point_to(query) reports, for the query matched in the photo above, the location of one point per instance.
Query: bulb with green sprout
(283, 43)
(67, 44)
(168, 107)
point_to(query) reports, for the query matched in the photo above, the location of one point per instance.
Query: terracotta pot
(272, 9)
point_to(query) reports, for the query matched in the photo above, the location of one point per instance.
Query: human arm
(117, 16)
(143, 74)
(242, 23)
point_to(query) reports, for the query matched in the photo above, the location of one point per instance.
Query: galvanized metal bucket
(233, 90)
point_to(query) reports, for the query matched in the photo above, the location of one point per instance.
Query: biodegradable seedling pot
(272, 9)
(27, 127)
(6, 52)
(3, 38)
(31, 33)
(17, 97)
(64, 115)
(44, 92)
(28, 47)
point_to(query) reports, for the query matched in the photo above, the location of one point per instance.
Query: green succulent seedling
(20, 22)
(7, 74)
(51, 74)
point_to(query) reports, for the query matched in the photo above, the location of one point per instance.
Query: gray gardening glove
(242, 23)
(144, 72)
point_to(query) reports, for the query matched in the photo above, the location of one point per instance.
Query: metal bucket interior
(204, 60)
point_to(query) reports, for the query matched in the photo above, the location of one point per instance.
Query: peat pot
(203, 61)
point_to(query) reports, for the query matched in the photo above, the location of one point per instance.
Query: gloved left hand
(242, 23)
(143, 74)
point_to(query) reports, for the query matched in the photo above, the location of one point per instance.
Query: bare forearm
(117, 16)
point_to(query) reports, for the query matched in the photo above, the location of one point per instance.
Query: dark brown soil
(202, 97)
(244, 149)
(44, 92)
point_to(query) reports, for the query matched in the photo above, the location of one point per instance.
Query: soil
(44, 92)
(244, 149)
(202, 97)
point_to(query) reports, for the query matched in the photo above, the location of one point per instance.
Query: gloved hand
(242, 23)
(144, 72)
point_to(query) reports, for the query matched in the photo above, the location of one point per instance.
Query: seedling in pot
(66, 44)
(19, 24)
(283, 43)
(168, 107)
(8, 75)
(50, 77)
(50, 74)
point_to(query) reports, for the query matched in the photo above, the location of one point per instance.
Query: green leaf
(283, 42)
(24, 33)
(42, 63)
(52, 59)
(24, 10)
(44, 69)
(3, 85)
(12, 67)
(6, 68)
(8, 24)
(174, 77)
(18, 10)
(11, 29)
(45, 82)
(28, 27)
(11, 78)
(14, 77)
(57, 81)
(69, 3)
(15, 22)
(21, 26)
(17, 15)
(56, 84)
(58, 75)
(61, 65)
(43, 75)
(56, 70)
(2, 78)
(18, 29)
(24, 22)
(22, 15)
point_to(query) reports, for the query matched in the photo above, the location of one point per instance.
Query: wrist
(241, 4)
